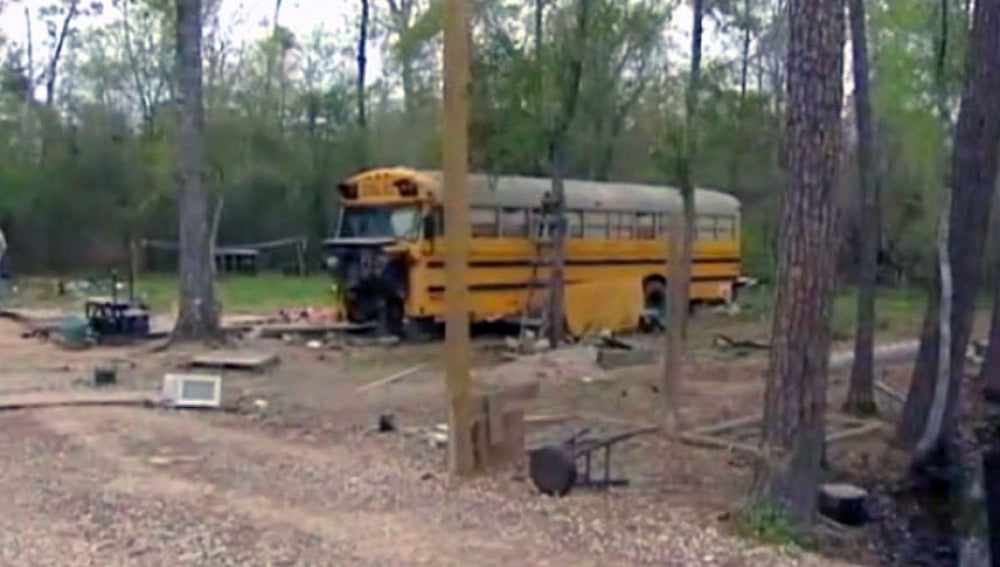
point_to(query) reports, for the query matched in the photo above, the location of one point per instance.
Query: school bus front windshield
(401, 222)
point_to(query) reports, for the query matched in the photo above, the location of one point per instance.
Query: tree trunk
(740, 140)
(198, 316)
(861, 393)
(973, 172)
(557, 154)
(990, 372)
(674, 353)
(680, 281)
(943, 378)
(362, 67)
(795, 398)
(50, 77)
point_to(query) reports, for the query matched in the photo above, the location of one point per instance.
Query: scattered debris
(742, 346)
(386, 423)
(437, 437)
(976, 353)
(193, 390)
(314, 344)
(105, 376)
(280, 330)
(236, 359)
(543, 419)
(381, 341)
(306, 314)
(890, 392)
(395, 377)
(844, 503)
(164, 460)
(740, 434)
(615, 353)
(33, 400)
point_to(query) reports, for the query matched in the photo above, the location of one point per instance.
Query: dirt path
(139, 487)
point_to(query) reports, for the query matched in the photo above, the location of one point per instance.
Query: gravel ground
(142, 487)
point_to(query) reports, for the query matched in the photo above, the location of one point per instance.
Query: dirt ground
(294, 472)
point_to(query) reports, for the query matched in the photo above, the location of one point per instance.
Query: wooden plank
(860, 431)
(392, 378)
(847, 420)
(35, 400)
(239, 359)
(728, 425)
(549, 418)
(890, 392)
(713, 443)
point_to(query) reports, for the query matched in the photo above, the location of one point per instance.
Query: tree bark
(674, 353)
(362, 64)
(973, 174)
(50, 76)
(362, 67)
(740, 140)
(679, 287)
(990, 372)
(861, 392)
(795, 398)
(943, 380)
(557, 151)
(198, 316)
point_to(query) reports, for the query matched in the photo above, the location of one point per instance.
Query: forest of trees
(87, 127)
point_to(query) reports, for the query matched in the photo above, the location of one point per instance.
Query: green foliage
(282, 131)
(247, 294)
(767, 522)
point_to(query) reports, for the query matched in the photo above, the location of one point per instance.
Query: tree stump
(844, 503)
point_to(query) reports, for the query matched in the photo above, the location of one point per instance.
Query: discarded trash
(105, 376)
(193, 390)
(386, 423)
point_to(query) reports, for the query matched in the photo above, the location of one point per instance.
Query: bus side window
(726, 228)
(514, 223)
(626, 225)
(706, 228)
(574, 224)
(645, 226)
(595, 224)
(614, 225)
(662, 225)
(484, 222)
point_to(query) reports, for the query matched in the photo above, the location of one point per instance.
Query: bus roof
(527, 192)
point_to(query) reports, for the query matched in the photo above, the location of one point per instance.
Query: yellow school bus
(387, 250)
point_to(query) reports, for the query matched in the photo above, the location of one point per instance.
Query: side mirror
(429, 227)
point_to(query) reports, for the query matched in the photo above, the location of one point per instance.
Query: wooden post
(461, 455)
